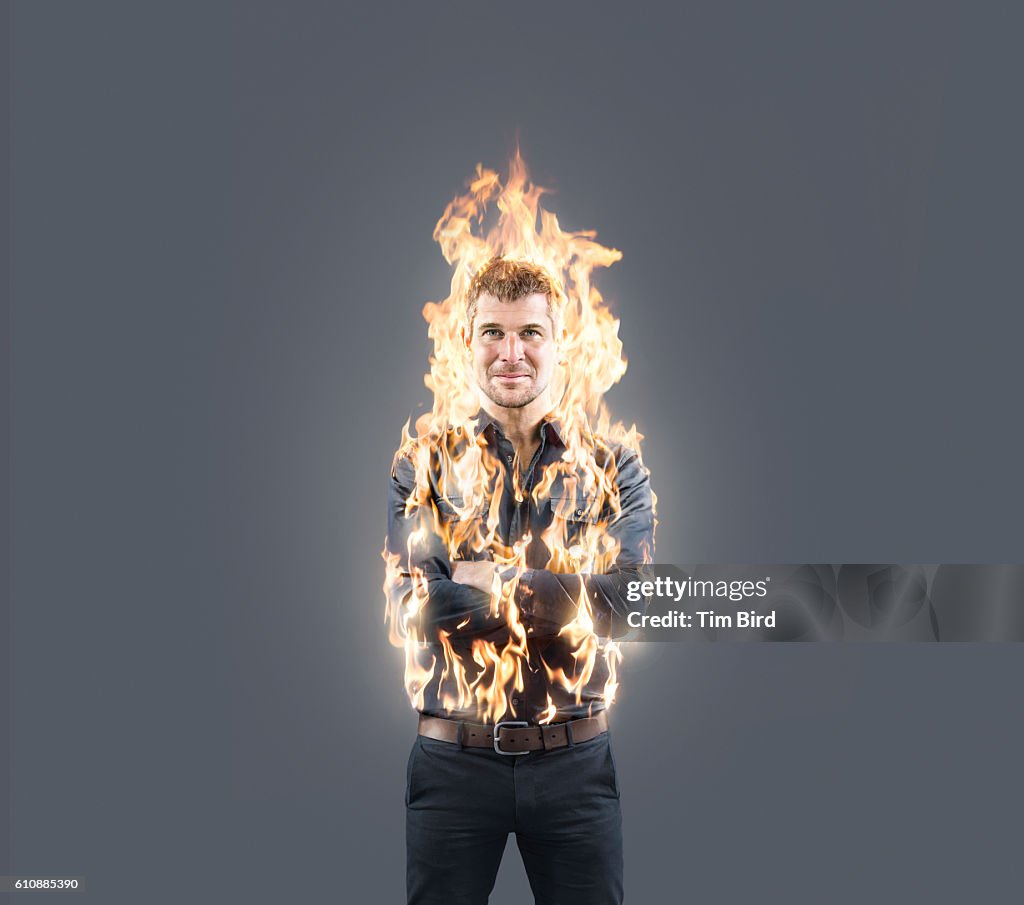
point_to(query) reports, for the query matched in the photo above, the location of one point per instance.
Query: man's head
(513, 330)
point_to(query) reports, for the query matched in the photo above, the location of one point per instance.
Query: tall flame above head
(524, 230)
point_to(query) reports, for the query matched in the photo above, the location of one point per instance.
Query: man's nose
(512, 347)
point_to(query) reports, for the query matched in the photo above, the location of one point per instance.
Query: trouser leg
(460, 808)
(570, 826)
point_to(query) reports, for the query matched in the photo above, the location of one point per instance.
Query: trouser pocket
(612, 771)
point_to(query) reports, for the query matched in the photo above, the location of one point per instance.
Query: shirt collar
(550, 427)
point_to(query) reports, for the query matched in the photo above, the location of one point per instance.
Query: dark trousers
(563, 806)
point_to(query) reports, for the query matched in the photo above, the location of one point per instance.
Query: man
(542, 766)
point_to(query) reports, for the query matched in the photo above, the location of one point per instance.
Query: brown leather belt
(514, 736)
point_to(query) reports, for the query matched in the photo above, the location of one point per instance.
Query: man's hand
(479, 574)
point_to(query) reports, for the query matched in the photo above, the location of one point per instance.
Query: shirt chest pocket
(463, 526)
(576, 516)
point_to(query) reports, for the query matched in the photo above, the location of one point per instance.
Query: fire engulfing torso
(567, 535)
(568, 532)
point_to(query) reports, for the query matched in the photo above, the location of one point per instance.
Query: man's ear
(466, 338)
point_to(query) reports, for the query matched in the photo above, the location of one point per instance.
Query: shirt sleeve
(422, 556)
(548, 600)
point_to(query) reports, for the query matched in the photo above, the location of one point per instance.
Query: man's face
(514, 348)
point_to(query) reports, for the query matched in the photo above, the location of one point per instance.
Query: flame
(486, 679)
(549, 712)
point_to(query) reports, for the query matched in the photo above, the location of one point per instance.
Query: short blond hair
(508, 279)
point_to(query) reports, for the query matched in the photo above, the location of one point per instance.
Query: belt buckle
(497, 736)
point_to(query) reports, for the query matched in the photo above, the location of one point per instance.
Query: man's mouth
(511, 378)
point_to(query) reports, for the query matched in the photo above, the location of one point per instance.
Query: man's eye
(532, 332)
(491, 332)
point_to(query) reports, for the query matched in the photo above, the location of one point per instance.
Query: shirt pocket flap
(575, 508)
(456, 509)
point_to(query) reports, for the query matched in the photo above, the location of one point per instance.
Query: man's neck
(520, 425)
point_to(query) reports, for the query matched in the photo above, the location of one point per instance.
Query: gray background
(222, 217)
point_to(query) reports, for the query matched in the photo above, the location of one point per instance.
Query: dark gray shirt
(547, 600)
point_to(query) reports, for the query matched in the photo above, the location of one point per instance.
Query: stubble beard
(506, 403)
(514, 399)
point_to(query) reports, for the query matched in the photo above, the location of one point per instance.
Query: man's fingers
(479, 574)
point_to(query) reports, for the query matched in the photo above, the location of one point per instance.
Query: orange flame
(593, 363)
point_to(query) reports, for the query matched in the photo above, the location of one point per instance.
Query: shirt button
(579, 512)
(508, 458)
(515, 700)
